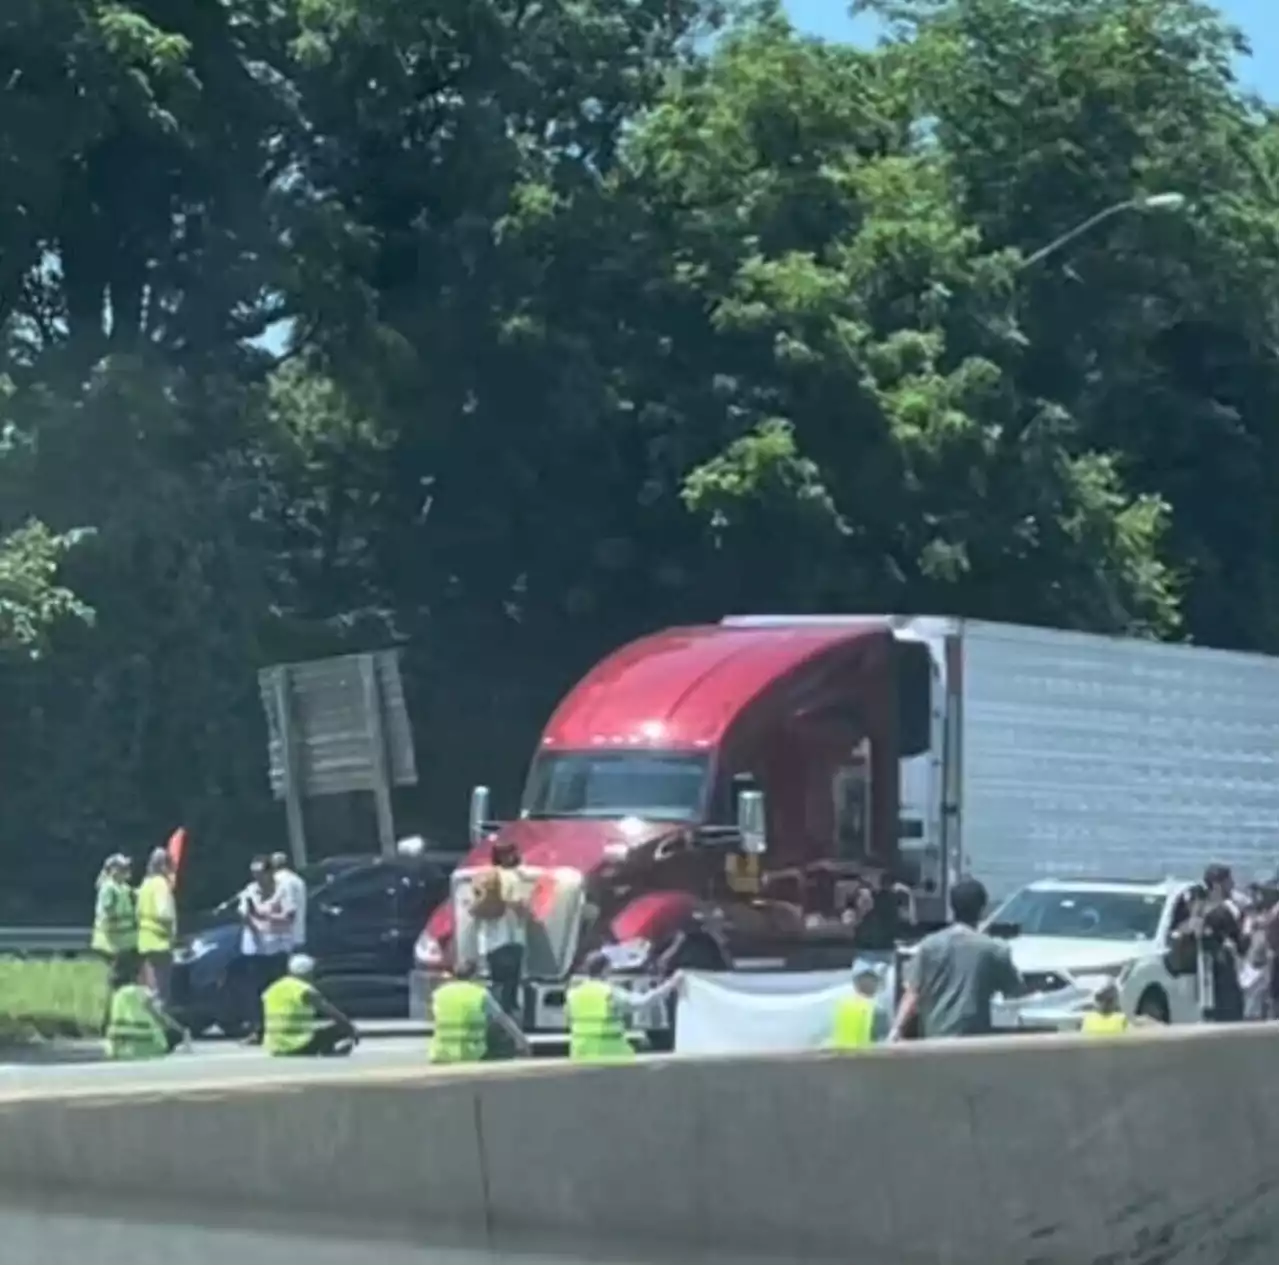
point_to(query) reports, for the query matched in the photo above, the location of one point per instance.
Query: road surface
(59, 1237)
(209, 1063)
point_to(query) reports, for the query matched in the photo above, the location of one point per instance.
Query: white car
(1076, 934)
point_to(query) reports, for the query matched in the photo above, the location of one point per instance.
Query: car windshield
(1081, 914)
(316, 877)
(660, 786)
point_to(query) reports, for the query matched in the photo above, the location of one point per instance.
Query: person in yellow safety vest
(857, 1018)
(299, 1021)
(115, 921)
(599, 1011)
(139, 1027)
(157, 922)
(462, 1013)
(1106, 1019)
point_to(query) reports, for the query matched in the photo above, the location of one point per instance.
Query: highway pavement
(222, 1063)
(54, 1236)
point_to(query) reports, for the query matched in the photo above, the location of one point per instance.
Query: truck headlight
(628, 955)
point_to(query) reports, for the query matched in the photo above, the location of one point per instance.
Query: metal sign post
(335, 726)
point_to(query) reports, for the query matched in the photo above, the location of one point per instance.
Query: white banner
(746, 1013)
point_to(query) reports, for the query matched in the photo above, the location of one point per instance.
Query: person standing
(157, 923)
(462, 1013)
(115, 921)
(1222, 943)
(955, 973)
(599, 1011)
(501, 912)
(299, 1021)
(265, 939)
(293, 889)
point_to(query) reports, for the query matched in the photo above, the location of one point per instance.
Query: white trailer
(1066, 754)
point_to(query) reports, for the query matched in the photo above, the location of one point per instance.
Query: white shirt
(294, 889)
(261, 937)
(508, 928)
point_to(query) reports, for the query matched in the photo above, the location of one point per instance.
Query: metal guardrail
(44, 941)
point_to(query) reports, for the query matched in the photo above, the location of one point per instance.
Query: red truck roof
(683, 687)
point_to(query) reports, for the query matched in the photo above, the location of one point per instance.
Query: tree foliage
(508, 329)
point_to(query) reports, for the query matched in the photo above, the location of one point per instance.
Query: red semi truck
(710, 796)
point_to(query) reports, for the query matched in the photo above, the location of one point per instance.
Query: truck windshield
(1081, 914)
(660, 786)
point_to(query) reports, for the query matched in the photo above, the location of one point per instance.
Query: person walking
(139, 1026)
(463, 1012)
(955, 973)
(599, 1011)
(299, 1021)
(157, 923)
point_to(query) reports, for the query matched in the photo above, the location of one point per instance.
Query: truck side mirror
(479, 816)
(750, 811)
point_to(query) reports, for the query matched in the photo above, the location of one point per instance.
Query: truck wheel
(1153, 1005)
(698, 954)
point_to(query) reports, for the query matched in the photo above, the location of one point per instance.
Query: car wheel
(1153, 1005)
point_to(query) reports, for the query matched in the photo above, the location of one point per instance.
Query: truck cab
(716, 797)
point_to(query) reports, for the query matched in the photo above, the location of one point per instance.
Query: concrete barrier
(1157, 1149)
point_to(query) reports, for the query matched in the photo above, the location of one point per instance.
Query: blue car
(363, 916)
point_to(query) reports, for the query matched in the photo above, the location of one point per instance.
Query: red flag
(176, 847)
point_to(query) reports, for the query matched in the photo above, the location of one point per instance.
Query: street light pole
(1155, 202)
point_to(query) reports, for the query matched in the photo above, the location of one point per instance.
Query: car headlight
(628, 955)
(194, 950)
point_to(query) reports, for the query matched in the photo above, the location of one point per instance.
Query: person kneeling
(139, 1027)
(299, 1021)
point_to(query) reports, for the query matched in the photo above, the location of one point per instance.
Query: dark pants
(159, 970)
(506, 965)
(122, 969)
(254, 973)
(329, 1039)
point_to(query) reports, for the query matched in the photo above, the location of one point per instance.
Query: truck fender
(655, 916)
(661, 917)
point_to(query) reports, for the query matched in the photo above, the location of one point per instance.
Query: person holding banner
(857, 1016)
(599, 1011)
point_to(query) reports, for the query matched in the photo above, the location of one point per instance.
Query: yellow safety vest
(1096, 1024)
(115, 923)
(156, 931)
(288, 1016)
(854, 1024)
(133, 1031)
(596, 1030)
(461, 1026)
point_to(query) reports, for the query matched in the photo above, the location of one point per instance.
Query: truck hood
(579, 843)
(576, 844)
(1036, 954)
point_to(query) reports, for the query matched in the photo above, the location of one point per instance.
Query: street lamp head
(1163, 202)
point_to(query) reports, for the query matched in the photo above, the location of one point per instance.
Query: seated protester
(139, 1027)
(299, 1021)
